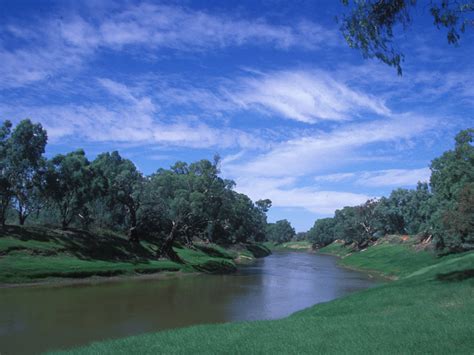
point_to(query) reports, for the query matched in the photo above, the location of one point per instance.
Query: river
(36, 319)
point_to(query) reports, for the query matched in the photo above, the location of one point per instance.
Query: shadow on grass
(82, 244)
(459, 275)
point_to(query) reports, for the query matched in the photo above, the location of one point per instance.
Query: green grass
(258, 250)
(429, 311)
(388, 257)
(216, 250)
(32, 254)
(335, 248)
(18, 268)
(303, 245)
(381, 258)
(201, 261)
(8, 244)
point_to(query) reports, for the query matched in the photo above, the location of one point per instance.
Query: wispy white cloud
(394, 177)
(318, 152)
(418, 85)
(131, 119)
(50, 46)
(283, 193)
(306, 96)
(99, 123)
(379, 178)
(185, 29)
(45, 54)
(334, 177)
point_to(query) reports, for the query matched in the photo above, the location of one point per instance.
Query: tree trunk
(167, 247)
(64, 211)
(132, 232)
(21, 218)
(21, 215)
(65, 221)
(2, 217)
(3, 213)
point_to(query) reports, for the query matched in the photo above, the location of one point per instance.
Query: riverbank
(38, 255)
(428, 309)
(302, 245)
(392, 256)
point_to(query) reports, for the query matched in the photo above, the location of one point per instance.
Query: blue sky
(296, 115)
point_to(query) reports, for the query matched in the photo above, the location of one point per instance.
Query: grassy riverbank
(303, 245)
(392, 256)
(425, 311)
(37, 254)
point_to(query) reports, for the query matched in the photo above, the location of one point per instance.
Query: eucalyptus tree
(405, 211)
(247, 222)
(280, 232)
(121, 183)
(370, 24)
(452, 179)
(348, 226)
(172, 206)
(68, 184)
(192, 201)
(322, 232)
(183, 202)
(25, 166)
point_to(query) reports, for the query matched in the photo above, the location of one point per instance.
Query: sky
(295, 114)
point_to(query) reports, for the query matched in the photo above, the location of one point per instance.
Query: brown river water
(38, 319)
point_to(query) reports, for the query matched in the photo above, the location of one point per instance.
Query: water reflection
(44, 318)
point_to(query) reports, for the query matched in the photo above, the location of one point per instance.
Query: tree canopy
(370, 25)
(280, 232)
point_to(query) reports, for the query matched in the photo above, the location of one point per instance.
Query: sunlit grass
(389, 259)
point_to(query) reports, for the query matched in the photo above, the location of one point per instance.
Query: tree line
(184, 202)
(442, 209)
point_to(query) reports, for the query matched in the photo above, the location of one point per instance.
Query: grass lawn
(428, 311)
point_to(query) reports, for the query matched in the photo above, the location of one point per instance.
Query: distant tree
(247, 222)
(357, 224)
(370, 24)
(405, 211)
(264, 205)
(346, 226)
(280, 232)
(26, 146)
(68, 184)
(300, 236)
(366, 216)
(322, 233)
